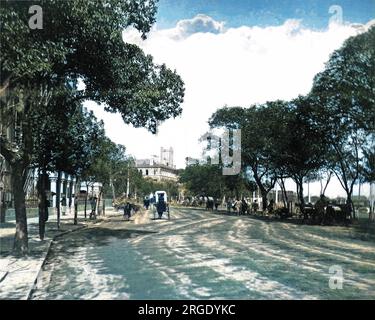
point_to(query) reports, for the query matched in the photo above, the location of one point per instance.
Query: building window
(146, 172)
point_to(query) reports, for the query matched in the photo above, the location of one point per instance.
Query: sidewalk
(18, 274)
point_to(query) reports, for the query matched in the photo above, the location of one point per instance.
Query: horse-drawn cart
(161, 205)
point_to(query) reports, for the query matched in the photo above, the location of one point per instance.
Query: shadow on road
(100, 236)
(361, 229)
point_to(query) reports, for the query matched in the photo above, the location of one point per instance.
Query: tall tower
(166, 157)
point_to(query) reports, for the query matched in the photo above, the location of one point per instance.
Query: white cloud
(235, 66)
(199, 24)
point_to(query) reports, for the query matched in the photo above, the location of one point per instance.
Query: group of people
(241, 207)
(148, 201)
(244, 206)
(238, 206)
(158, 201)
(212, 203)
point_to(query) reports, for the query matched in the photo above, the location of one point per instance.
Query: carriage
(161, 205)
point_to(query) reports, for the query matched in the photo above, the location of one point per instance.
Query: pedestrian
(271, 206)
(161, 206)
(127, 211)
(146, 203)
(217, 203)
(229, 205)
(255, 206)
(63, 206)
(237, 206)
(93, 208)
(244, 206)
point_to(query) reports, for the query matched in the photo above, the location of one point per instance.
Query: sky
(236, 13)
(237, 53)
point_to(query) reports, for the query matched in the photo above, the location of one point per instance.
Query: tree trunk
(324, 190)
(43, 205)
(2, 207)
(350, 204)
(285, 195)
(99, 205)
(264, 194)
(58, 198)
(103, 207)
(87, 194)
(77, 191)
(113, 190)
(21, 236)
(299, 182)
(65, 193)
(70, 195)
(372, 203)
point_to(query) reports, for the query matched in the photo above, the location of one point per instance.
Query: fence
(33, 212)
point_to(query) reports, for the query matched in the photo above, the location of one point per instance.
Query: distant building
(159, 169)
(191, 162)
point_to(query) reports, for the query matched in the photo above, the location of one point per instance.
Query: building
(159, 169)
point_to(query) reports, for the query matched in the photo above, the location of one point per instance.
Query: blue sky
(314, 13)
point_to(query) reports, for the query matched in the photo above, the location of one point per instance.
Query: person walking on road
(127, 211)
(63, 206)
(229, 205)
(93, 208)
(146, 203)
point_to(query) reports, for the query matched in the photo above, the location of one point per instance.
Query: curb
(40, 267)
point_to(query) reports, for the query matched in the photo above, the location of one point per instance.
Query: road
(201, 255)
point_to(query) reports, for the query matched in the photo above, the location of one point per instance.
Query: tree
(80, 40)
(344, 98)
(368, 172)
(204, 180)
(301, 147)
(256, 141)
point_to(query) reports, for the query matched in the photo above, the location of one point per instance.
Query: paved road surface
(200, 255)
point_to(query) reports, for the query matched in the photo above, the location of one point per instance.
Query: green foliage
(208, 180)
(203, 180)
(344, 99)
(331, 129)
(368, 167)
(40, 70)
(82, 40)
